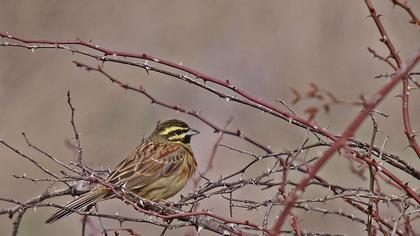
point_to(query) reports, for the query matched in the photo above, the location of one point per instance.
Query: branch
(373, 102)
(404, 5)
(405, 93)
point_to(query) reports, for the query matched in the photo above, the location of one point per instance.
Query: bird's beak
(192, 132)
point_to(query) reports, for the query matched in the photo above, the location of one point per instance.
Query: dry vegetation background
(264, 47)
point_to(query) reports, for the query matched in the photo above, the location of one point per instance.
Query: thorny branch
(376, 99)
(287, 194)
(394, 55)
(78, 148)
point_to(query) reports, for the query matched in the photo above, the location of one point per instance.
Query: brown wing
(148, 162)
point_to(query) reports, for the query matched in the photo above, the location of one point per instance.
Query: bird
(155, 170)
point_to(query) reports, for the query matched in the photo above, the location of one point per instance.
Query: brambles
(270, 169)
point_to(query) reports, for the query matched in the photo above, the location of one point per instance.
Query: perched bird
(156, 170)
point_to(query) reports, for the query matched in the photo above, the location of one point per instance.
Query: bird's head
(175, 131)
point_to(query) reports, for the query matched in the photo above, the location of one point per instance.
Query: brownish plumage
(156, 170)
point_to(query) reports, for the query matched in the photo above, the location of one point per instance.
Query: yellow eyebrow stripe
(170, 129)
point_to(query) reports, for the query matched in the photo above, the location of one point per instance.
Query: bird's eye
(178, 132)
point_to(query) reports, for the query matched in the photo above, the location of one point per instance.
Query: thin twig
(79, 149)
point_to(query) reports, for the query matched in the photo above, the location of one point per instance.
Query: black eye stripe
(177, 132)
(179, 135)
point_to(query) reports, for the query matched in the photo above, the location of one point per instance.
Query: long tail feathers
(78, 204)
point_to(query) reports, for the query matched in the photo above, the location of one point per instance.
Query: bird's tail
(78, 204)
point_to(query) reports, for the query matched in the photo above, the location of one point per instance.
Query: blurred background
(265, 48)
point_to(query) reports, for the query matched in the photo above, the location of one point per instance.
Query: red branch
(295, 225)
(405, 93)
(179, 215)
(212, 156)
(206, 78)
(238, 133)
(292, 118)
(373, 102)
(404, 5)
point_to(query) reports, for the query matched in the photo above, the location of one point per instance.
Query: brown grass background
(264, 47)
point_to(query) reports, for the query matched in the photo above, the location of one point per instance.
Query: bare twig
(15, 150)
(374, 101)
(79, 149)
